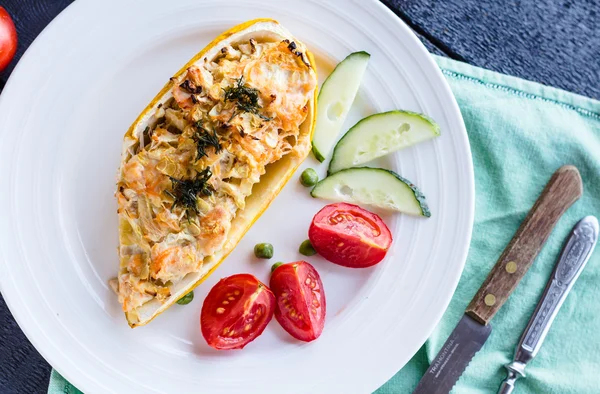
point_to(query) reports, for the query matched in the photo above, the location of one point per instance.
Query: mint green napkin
(59, 385)
(520, 133)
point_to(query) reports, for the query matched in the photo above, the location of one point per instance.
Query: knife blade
(572, 261)
(561, 191)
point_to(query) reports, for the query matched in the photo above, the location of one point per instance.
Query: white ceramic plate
(62, 117)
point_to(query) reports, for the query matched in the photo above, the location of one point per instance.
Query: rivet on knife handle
(563, 189)
(575, 255)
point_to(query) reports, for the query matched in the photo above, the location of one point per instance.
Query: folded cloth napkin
(520, 133)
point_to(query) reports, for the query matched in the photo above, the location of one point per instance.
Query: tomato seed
(225, 302)
(231, 298)
(237, 292)
(220, 311)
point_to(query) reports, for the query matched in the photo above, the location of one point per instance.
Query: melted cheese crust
(160, 241)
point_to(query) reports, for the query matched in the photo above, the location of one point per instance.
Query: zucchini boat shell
(271, 183)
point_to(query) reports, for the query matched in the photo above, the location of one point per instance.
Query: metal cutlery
(574, 257)
(563, 189)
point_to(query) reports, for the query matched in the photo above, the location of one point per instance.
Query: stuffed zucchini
(205, 159)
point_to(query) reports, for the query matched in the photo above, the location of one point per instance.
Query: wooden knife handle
(563, 189)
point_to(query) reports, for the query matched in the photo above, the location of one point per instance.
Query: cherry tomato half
(300, 298)
(8, 39)
(349, 235)
(236, 311)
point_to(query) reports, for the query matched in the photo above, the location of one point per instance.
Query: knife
(574, 256)
(562, 190)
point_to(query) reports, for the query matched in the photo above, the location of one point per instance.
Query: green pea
(277, 264)
(309, 177)
(307, 249)
(263, 251)
(186, 299)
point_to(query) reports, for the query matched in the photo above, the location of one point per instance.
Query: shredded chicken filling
(184, 181)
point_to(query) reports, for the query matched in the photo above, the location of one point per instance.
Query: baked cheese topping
(186, 178)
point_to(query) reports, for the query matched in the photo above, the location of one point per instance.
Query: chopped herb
(205, 139)
(168, 193)
(186, 299)
(146, 137)
(244, 134)
(292, 47)
(187, 85)
(185, 192)
(245, 98)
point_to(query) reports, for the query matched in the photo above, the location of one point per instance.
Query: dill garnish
(185, 192)
(205, 139)
(245, 98)
(187, 85)
(244, 134)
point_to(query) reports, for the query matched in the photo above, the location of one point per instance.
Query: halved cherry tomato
(8, 39)
(300, 297)
(349, 235)
(236, 311)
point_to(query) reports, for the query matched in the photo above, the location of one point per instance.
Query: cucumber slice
(373, 186)
(334, 101)
(377, 135)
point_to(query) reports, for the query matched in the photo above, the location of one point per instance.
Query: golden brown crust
(270, 184)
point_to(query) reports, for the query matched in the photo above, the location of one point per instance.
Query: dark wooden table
(555, 42)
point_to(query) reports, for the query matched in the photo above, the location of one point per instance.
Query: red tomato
(348, 235)
(236, 311)
(300, 300)
(8, 39)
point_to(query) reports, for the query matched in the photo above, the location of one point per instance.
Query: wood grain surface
(553, 42)
(563, 189)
